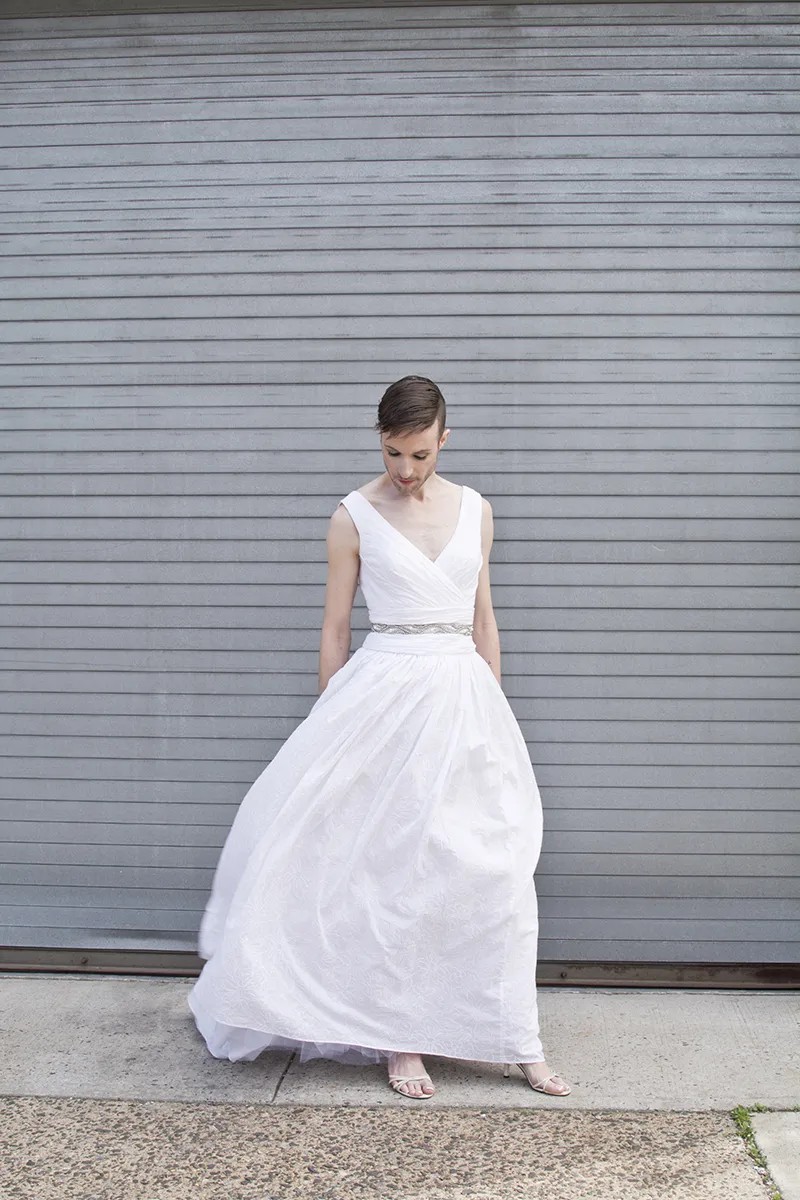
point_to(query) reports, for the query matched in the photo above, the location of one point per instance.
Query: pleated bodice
(401, 585)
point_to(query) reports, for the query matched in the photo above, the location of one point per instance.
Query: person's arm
(484, 625)
(340, 590)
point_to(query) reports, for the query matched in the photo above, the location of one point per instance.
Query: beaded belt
(430, 627)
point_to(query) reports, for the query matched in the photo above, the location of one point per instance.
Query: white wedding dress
(375, 891)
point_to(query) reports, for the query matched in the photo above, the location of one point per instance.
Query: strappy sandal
(541, 1084)
(396, 1080)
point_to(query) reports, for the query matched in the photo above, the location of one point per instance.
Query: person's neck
(427, 491)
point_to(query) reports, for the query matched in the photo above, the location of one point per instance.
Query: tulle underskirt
(245, 1045)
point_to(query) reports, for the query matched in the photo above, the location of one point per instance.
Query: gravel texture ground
(69, 1148)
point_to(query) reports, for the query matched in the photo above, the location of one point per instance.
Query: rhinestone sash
(429, 627)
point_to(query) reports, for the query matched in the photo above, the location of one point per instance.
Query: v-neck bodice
(408, 539)
(400, 583)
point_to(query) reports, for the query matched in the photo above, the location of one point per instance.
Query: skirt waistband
(419, 643)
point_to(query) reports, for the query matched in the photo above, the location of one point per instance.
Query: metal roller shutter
(223, 234)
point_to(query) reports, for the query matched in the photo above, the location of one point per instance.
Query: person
(374, 899)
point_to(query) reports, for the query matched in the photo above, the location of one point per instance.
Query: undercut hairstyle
(410, 405)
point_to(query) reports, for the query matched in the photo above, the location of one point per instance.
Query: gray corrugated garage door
(223, 234)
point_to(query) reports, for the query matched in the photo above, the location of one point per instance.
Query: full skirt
(375, 892)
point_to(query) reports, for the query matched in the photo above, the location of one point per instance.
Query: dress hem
(347, 1053)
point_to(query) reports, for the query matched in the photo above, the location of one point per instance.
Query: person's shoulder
(364, 490)
(342, 522)
(342, 528)
(368, 489)
(487, 515)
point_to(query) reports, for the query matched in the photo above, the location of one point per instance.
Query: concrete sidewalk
(114, 1067)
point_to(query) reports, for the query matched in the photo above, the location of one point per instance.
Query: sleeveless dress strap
(475, 514)
(355, 508)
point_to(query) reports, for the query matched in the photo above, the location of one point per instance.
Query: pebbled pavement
(83, 1149)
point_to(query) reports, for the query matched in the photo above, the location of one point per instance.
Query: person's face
(410, 458)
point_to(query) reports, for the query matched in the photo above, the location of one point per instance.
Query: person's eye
(420, 457)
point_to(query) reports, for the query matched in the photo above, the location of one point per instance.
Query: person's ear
(443, 438)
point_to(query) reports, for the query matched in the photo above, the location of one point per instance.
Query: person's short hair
(410, 405)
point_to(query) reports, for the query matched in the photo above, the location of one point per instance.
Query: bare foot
(410, 1064)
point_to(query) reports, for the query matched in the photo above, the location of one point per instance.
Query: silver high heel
(538, 1085)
